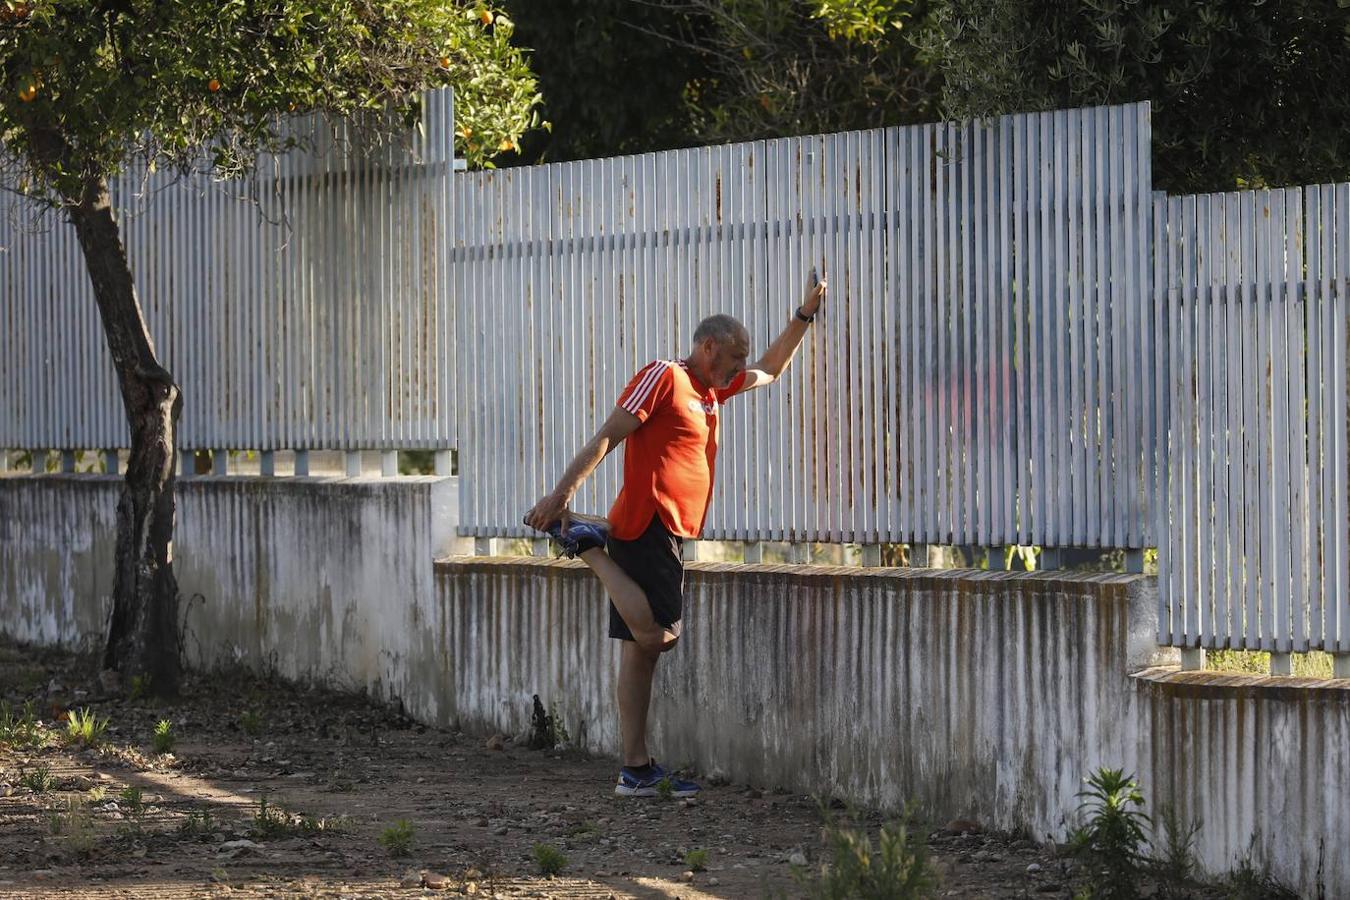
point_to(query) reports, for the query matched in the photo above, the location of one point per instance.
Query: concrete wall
(984, 695)
(323, 579)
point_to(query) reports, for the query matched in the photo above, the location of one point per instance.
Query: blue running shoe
(631, 784)
(581, 535)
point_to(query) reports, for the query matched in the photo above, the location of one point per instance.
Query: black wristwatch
(805, 318)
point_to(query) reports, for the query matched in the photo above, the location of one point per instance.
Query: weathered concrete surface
(323, 579)
(989, 695)
(972, 694)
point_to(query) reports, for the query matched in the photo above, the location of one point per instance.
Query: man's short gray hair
(722, 328)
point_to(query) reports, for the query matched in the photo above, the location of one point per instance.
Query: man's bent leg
(631, 602)
(636, 668)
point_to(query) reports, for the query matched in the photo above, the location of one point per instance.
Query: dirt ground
(274, 790)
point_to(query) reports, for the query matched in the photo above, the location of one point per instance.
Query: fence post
(871, 555)
(754, 551)
(1281, 663)
(444, 463)
(301, 467)
(267, 464)
(4, 460)
(1340, 665)
(1051, 559)
(918, 556)
(799, 553)
(389, 463)
(689, 550)
(539, 547)
(353, 458)
(1192, 659)
(110, 462)
(482, 546)
(1134, 561)
(998, 558)
(39, 461)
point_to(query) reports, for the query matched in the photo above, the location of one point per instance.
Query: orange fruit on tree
(213, 85)
(445, 62)
(486, 16)
(28, 94)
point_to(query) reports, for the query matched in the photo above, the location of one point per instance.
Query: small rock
(240, 844)
(434, 881)
(1049, 887)
(1033, 868)
(717, 778)
(496, 742)
(481, 822)
(798, 858)
(963, 826)
(714, 881)
(753, 793)
(687, 875)
(411, 880)
(500, 830)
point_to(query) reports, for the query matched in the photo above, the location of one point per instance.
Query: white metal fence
(1251, 289)
(319, 317)
(1022, 343)
(982, 374)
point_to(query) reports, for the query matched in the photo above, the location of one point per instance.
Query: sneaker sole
(625, 791)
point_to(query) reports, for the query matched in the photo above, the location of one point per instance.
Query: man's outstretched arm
(553, 506)
(770, 367)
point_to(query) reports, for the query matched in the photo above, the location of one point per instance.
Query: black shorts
(653, 561)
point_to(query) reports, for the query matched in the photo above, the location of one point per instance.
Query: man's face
(727, 360)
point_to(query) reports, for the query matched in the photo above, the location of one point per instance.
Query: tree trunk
(143, 634)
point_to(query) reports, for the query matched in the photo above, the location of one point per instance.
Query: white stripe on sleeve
(645, 388)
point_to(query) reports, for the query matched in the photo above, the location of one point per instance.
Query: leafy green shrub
(1110, 843)
(697, 860)
(397, 838)
(550, 859)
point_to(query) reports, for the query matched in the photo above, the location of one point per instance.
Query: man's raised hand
(550, 508)
(815, 294)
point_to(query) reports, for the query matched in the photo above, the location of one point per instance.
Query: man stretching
(669, 415)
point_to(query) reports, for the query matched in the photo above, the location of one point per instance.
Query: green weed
(83, 727)
(549, 858)
(134, 800)
(1110, 843)
(22, 730)
(272, 820)
(38, 780)
(697, 860)
(1174, 866)
(164, 738)
(897, 868)
(72, 823)
(397, 839)
(251, 721)
(198, 822)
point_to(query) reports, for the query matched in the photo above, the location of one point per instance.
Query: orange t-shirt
(668, 462)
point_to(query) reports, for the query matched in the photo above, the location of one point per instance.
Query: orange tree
(89, 87)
